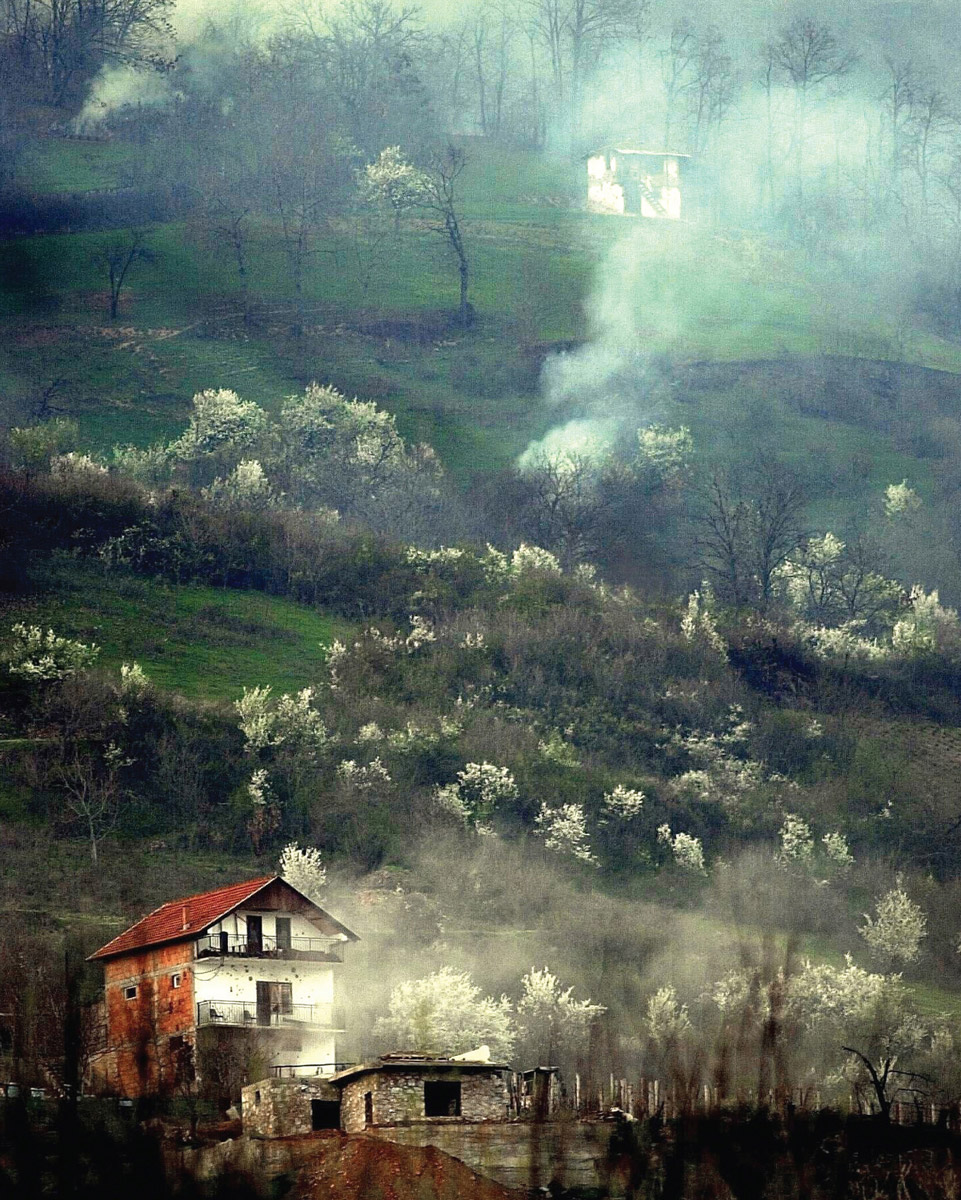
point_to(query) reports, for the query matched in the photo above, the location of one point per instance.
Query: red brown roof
(182, 919)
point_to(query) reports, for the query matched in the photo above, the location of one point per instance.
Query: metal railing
(249, 1014)
(308, 1070)
(228, 946)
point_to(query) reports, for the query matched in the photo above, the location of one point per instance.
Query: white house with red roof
(206, 984)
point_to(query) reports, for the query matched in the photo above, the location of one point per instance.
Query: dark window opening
(325, 1114)
(257, 1097)
(368, 1108)
(442, 1099)
(255, 935)
(130, 993)
(283, 933)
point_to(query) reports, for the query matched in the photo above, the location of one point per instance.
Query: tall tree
(807, 55)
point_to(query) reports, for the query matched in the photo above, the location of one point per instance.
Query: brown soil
(354, 1167)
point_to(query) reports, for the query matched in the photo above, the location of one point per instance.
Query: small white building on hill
(642, 183)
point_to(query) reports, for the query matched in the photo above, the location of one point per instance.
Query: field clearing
(203, 642)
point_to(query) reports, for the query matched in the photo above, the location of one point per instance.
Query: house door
(263, 1002)
(255, 935)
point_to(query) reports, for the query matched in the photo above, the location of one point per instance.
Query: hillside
(634, 787)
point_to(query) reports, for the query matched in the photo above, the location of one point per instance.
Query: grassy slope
(203, 642)
(534, 264)
(474, 397)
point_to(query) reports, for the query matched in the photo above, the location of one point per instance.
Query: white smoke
(237, 22)
(601, 385)
(118, 86)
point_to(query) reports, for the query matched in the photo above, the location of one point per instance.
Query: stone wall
(276, 1108)
(397, 1097)
(525, 1154)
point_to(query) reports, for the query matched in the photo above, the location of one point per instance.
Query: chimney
(183, 914)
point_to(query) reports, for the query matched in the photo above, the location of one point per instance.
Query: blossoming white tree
(303, 868)
(899, 925)
(43, 657)
(564, 830)
(446, 1013)
(552, 1025)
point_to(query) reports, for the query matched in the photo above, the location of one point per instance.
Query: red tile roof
(167, 923)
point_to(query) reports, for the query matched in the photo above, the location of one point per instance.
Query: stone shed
(405, 1089)
(276, 1108)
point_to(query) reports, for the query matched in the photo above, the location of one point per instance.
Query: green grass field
(203, 642)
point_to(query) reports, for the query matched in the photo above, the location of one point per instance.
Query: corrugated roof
(167, 923)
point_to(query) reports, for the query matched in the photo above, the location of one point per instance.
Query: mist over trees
(844, 137)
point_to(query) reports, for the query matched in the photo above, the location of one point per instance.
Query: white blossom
(527, 559)
(44, 657)
(246, 487)
(259, 789)
(898, 926)
(553, 748)
(303, 868)
(666, 1019)
(664, 451)
(133, 680)
(363, 777)
(220, 420)
(797, 842)
(836, 849)
(445, 1013)
(623, 802)
(900, 499)
(73, 463)
(421, 634)
(687, 850)
(564, 829)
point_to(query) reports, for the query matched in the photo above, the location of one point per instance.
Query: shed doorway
(324, 1114)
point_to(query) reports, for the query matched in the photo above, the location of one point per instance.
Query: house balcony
(250, 1015)
(305, 949)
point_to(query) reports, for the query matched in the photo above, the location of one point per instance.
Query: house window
(274, 1000)
(130, 993)
(442, 1098)
(175, 979)
(283, 933)
(256, 1097)
(368, 1108)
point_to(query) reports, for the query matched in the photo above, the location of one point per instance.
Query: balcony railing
(223, 945)
(308, 1070)
(250, 1015)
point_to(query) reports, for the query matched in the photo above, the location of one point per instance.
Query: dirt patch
(354, 1167)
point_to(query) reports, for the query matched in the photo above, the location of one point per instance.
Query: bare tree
(933, 118)
(560, 505)
(678, 60)
(118, 256)
(807, 55)
(94, 792)
(746, 525)
(441, 200)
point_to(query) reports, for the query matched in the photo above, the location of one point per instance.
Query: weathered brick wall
(281, 1107)
(137, 1060)
(398, 1097)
